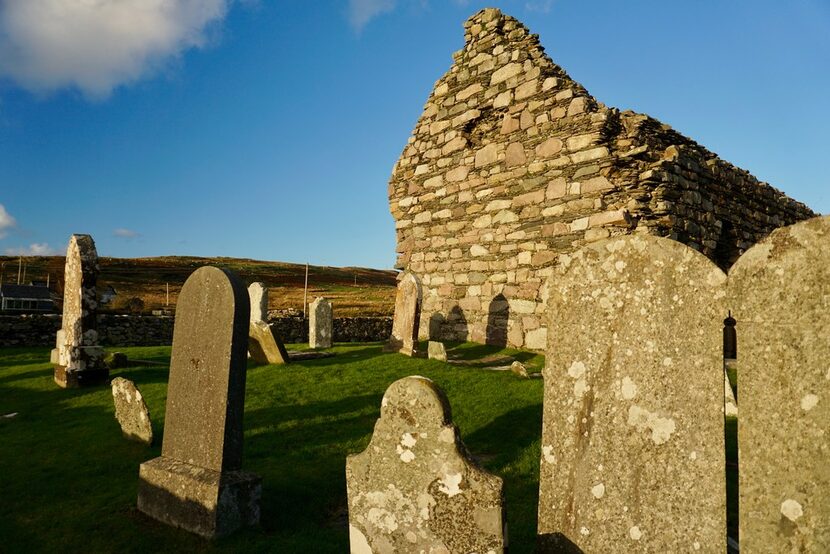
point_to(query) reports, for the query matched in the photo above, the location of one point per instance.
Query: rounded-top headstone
(414, 488)
(632, 439)
(779, 292)
(205, 395)
(131, 411)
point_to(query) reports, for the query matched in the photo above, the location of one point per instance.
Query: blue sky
(268, 129)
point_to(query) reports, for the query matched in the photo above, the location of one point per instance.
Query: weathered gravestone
(264, 347)
(414, 488)
(258, 295)
(131, 411)
(77, 356)
(197, 483)
(779, 292)
(404, 337)
(632, 438)
(320, 323)
(436, 351)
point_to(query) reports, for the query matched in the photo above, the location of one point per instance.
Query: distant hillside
(354, 291)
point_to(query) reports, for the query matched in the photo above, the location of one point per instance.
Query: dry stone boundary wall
(131, 330)
(513, 163)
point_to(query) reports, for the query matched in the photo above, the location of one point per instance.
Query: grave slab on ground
(197, 483)
(415, 488)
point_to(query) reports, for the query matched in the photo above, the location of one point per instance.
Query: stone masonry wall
(512, 164)
(131, 330)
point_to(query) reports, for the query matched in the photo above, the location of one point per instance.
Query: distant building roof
(28, 292)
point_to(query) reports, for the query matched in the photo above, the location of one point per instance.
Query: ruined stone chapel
(513, 165)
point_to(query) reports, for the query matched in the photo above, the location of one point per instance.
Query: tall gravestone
(414, 488)
(779, 292)
(77, 356)
(258, 295)
(197, 482)
(320, 323)
(632, 439)
(263, 345)
(404, 337)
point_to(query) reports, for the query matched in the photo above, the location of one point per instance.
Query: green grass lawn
(68, 479)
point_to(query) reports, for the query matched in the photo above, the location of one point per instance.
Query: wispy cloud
(36, 249)
(6, 221)
(363, 11)
(125, 233)
(542, 6)
(96, 45)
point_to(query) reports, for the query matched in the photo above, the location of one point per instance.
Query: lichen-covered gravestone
(131, 411)
(779, 292)
(436, 351)
(258, 295)
(404, 337)
(77, 357)
(632, 439)
(319, 323)
(197, 483)
(414, 488)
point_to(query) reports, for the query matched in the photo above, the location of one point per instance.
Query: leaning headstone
(319, 323)
(779, 292)
(131, 411)
(519, 369)
(404, 337)
(258, 294)
(263, 346)
(632, 439)
(77, 357)
(436, 351)
(414, 488)
(197, 482)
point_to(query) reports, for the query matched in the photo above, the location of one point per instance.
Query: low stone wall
(131, 330)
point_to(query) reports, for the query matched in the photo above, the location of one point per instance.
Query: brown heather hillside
(354, 291)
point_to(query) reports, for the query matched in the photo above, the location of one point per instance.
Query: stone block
(436, 351)
(131, 411)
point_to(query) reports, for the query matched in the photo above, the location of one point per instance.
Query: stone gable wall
(512, 163)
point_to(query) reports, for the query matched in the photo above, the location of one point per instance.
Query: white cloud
(36, 249)
(6, 221)
(96, 45)
(541, 6)
(363, 11)
(124, 233)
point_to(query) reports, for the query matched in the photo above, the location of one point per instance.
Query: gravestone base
(77, 378)
(205, 502)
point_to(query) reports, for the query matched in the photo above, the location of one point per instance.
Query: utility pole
(19, 268)
(48, 275)
(305, 291)
(167, 294)
(24, 273)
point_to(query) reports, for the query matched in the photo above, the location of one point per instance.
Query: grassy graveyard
(69, 479)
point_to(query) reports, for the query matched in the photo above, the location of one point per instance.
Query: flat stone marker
(77, 357)
(264, 347)
(519, 369)
(258, 295)
(320, 323)
(414, 488)
(131, 411)
(779, 292)
(197, 483)
(436, 351)
(632, 438)
(404, 337)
